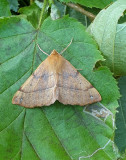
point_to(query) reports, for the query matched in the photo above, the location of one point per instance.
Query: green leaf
(32, 12)
(123, 18)
(29, 9)
(92, 3)
(55, 14)
(13, 5)
(120, 48)
(4, 8)
(110, 36)
(79, 16)
(57, 131)
(120, 133)
(61, 8)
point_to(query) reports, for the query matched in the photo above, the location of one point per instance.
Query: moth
(56, 79)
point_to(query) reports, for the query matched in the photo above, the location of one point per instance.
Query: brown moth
(55, 79)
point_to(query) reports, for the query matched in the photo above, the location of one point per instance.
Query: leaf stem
(81, 10)
(42, 13)
(31, 2)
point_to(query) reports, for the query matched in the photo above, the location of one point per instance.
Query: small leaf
(13, 5)
(79, 16)
(61, 7)
(29, 9)
(39, 4)
(55, 14)
(110, 36)
(32, 12)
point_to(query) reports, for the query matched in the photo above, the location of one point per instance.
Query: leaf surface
(13, 5)
(57, 131)
(32, 13)
(92, 3)
(120, 132)
(110, 36)
(4, 8)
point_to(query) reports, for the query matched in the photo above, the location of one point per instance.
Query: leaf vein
(57, 136)
(17, 35)
(12, 121)
(17, 54)
(32, 146)
(16, 81)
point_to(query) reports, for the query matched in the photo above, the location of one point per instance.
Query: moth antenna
(67, 46)
(42, 50)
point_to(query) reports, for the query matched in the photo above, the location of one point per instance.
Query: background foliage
(60, 131)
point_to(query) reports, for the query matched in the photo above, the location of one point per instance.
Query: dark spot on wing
(66, 75)
(21, 99)
(75, 74)
(35, 76)
(45, 76)
(91, 97)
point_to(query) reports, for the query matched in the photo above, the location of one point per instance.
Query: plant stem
(31, 1)
(82, 10)
(42, 13)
